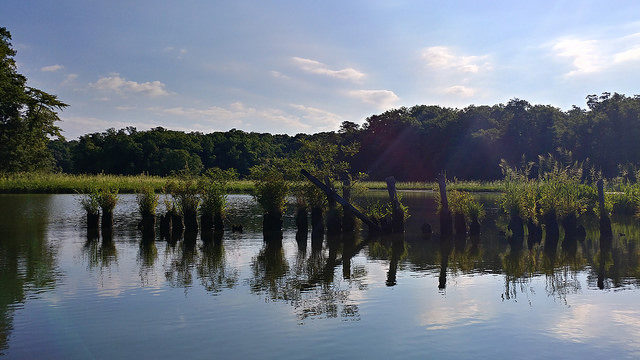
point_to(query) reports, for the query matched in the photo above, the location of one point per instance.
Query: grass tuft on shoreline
(56, 183)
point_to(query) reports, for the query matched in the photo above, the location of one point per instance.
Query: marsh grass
(107, 199)
(147, 201)
(57, 183)
(91, 202)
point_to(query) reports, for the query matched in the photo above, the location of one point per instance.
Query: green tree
(27, 117)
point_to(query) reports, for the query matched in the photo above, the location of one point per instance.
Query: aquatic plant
(107, 199)
(147, 201)
(90, 202)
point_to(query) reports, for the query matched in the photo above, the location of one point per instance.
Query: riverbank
(42, 183)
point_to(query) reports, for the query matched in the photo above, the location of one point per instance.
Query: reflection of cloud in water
(462, 313)
(598, 322)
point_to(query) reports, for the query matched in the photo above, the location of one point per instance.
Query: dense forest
(409, 143)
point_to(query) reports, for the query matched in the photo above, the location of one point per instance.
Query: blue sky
(305, 66)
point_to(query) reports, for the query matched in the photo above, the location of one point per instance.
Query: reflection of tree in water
(615, 263)
(208, 263)
(147, 256)
(560, 268)
(179, 272)
(27, 259)
(310, 285)
(101, 254)
(212, 269)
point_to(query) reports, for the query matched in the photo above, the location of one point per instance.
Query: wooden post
(397, 217)
(348, 220)
(446, 222)
(372, 225)
(606, 234)
(334, 222)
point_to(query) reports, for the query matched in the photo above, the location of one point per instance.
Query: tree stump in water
(218, 222)
(206, 221)
(397, 215)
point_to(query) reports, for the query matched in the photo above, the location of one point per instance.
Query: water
(62, 296)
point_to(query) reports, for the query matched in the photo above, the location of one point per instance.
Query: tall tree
(27, 117)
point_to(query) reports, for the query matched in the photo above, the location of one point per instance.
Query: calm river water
(62, 296)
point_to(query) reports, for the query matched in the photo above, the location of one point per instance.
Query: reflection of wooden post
(397, 217)
(446, 223)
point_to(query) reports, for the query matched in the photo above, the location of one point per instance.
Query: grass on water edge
(54, 183)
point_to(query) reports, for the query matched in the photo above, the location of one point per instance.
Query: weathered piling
(474, 227)
(551, 228)
(302, 219)
(317, 220)
(460, 225)
(107, 200)
(177, 225)
(605, 221)
(93, 224)
(148, 226)
(348, 219)
(190, 221)
(446, 222)
(397, 214)
(334, 219)
(534, 233)
(373, 226)
(570, 226)
(165, 226)
(206, 221)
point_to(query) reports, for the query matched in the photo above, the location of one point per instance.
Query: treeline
(409, 143)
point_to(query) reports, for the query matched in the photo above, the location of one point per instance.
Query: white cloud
(316, 67)
(51, 68)
(125, 108)
(444, 58)
(120, 85)
(589, 56)
(278, 75)
(301, 119)
(460, 90)
(383, 99)
(586, 55)
(319, 119)
(68, 79)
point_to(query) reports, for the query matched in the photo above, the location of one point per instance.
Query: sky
(306, 66)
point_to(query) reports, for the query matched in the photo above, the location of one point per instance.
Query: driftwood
(332, 194)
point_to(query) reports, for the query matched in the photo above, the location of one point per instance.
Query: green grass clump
(462, 202)
(147, 201)
(107, 199)
(91, 202)
(213, 190)
(271, 188)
